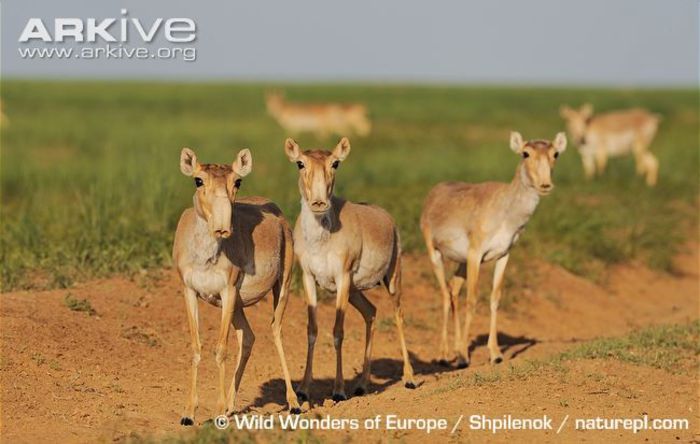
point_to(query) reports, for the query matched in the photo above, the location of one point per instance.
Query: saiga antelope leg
(368, 312)
(455, 286)
(228, 302)
(395, 292)
(246, 339)
(303, 391)
(342, 298)
(280, 299)
(588, 161)
(601, 159)
(496, 292)
(193, 321)
(473, 265)
(439, 270)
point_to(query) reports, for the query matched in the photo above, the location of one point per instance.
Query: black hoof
(462, 364)
(444, 363)
(338, 397)
(302, 397)
(295, 411)
(187, 421)
(498, 360)
(410, 385)
(359, 391)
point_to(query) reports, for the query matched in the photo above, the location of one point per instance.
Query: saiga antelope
(346, 248)
(475, 223)
(231, 252)
(322, 119)
(613, 134)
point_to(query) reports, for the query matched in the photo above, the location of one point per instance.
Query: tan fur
(322, 119)
(344, 247)
(231, 252)
(613, 134)
(475, 223)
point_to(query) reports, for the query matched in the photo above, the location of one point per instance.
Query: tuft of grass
(659, 347)
(94, 168)
(664, 347)
(75, 304)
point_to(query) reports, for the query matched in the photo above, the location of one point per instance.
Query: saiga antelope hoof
(461, 363)
(302, 397)
(410, 385)
(359, 391)
(338, 397)
(497, 360)
(186, 421)
(295, 411)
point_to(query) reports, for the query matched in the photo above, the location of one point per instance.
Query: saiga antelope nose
(319, 205)
(222, 233)
(546, 186)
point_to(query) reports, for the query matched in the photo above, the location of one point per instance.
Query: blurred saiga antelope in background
(346, 248)
(475, 223)
(322, 119)
(613, 134)
(231, 253)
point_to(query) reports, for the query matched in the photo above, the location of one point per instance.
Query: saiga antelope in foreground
(344, 247)
(475, 223)
(321, 119)
(231, 253)
(613, 134)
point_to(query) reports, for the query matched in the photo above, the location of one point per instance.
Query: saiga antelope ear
(342, 149)
(291, 149)
(188, 162)
(560, 142)
(516, 142)
(244, 163)
(586, 110)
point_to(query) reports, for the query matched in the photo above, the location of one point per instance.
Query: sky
(542, 42)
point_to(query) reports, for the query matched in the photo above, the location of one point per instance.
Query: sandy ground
(71, 377)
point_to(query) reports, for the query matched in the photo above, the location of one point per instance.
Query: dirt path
(71, 377)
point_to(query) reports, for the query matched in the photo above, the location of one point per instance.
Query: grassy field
(91, 184)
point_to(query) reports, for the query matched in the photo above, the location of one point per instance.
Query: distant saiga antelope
(321, 119)
(231, 252)
(613, 134)
(346, 248)
(476, 223)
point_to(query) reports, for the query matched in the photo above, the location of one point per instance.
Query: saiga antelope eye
(198, 182)
(556, 154)
(237, 183)
(336, 164)
(300, 164)
(526, 154)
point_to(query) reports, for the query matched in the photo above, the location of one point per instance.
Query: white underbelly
(499, 245)
(453, 245)
(325, 268)
(207, 282)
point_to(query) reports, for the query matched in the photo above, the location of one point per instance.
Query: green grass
(659, 347)
(91, 185)
(673, 348)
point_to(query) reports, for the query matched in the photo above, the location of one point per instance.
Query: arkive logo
(122, 38)
(109, 30)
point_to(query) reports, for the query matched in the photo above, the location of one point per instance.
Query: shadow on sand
(387, 370)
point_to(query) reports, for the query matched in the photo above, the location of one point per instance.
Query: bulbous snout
(545, 188)
(319, 206)
(219, 234)
(220, 218)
